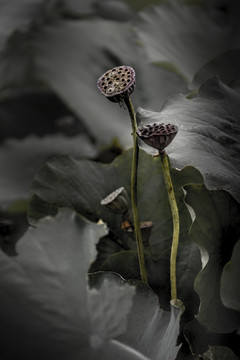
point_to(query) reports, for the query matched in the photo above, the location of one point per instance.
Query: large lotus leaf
(20, 159)
(224, 65)
(47, 309)
(125, 263)
(82, 184)
(151, 330)
(187, 36)
(209, 133)
(230, 292)
(216, 231)
(64, 181)
(65, 54)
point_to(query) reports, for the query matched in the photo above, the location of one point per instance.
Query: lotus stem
(176, 225)
(134, 199)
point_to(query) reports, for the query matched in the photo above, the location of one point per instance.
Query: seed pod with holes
(118, 83)
(117, 201)
(158, 136)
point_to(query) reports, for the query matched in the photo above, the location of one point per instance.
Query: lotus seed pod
(117, 201)
(118, 83)
(158, 136)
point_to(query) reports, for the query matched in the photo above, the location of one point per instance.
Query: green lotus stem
(176, 225)
(134, 200)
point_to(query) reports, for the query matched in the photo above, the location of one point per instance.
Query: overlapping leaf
(64, 181)
(216, 231)
(20, 159)
(46, 307)
(209, 133)
(230, 293)
(151, 330)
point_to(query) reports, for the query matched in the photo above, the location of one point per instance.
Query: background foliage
(64, 147)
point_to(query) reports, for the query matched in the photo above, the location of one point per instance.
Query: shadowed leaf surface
(35, 111)
(216, 231)
(187, 36)
(230, 291)
(224, 65)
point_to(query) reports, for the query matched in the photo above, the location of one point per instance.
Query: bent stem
(136, 222)
(176, 226)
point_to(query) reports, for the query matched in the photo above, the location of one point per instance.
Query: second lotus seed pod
(117, 83)
(158, 136)
(117, 201)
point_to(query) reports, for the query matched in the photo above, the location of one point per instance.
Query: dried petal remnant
(117, 83)
(158, 136)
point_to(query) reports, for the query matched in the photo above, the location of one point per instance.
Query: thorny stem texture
(176, 226)
(134, 201)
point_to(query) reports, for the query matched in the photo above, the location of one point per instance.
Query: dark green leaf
(209, 133)
(124, 263)
(216, 231)
(230, 291)
(199, 339)
(81, 185)
(219, 353)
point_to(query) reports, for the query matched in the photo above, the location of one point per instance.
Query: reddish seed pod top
(158, 136)
(117, 83)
